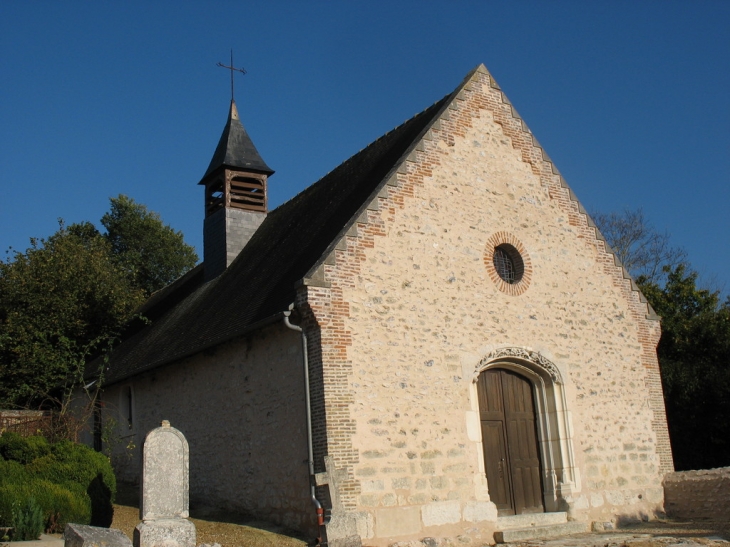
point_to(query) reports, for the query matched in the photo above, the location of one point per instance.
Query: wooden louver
(247, 191)
(237, 190)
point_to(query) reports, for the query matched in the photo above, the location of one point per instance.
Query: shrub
(22, 449)
(28, 521)
(70, 482)
(59, 504)
(74, 464)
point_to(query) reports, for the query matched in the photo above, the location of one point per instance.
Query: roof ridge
(354, 156)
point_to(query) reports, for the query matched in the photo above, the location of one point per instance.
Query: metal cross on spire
(232, 69)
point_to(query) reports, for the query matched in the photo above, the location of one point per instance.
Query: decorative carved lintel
(523, 354)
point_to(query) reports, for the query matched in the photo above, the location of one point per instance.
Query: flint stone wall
(241, 407)
(698, 494)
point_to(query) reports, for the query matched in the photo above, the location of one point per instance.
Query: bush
(22, 449)
(28, 521)
(59, 504)
(72, 464)
(70, 482)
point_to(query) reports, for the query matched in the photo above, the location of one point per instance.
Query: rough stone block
(441, 512)
(478, 511)
(80, 535)
(165, 533)
(540, 532)
(397, 521)
(365, 524)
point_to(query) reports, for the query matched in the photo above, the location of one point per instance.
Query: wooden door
(509, 439)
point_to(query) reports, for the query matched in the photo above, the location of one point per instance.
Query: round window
(508, 263)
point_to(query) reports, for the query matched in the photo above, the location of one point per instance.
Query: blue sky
(629, 98)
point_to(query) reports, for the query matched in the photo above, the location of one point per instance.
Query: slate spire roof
(236, 149)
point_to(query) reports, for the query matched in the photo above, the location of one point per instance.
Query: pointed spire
(236, 150)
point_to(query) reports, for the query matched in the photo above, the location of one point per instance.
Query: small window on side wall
(126, 408)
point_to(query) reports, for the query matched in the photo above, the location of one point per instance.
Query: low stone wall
(698, 494)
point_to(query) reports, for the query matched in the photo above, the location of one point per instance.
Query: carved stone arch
(520, 354)
(555, 432)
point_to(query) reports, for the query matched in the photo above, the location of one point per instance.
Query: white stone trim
(554, 423)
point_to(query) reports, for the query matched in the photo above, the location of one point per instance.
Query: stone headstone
(165, 482)
(165, 479)
(80, 535)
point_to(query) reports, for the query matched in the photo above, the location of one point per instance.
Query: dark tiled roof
(260, 284)
(236, 149)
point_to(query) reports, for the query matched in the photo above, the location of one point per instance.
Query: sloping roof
(260, 284)
(236, 149)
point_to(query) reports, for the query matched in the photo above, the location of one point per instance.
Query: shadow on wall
(702, 494)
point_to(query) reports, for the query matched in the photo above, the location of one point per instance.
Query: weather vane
(232, 69)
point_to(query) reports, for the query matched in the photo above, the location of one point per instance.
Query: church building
(433, 340)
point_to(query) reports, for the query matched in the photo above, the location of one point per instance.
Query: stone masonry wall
(408, 310)
(698, 494)
(225, 233)
(241, 408)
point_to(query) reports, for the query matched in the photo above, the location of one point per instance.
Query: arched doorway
(510, 441)
(560, 478)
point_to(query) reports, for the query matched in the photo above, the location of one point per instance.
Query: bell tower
(235, 196)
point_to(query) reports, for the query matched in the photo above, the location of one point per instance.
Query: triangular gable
(527, 143)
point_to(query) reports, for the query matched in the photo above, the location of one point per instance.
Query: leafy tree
(66, 297)
(694, 353)
(642, 250)
(694, 350)
(149, 252)
(59, 300)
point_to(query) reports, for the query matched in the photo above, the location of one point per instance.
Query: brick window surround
(507, 240)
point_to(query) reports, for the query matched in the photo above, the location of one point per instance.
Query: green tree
(694, 354)
(694, 349)
(59, 300)
(67, 297)
(148, 251)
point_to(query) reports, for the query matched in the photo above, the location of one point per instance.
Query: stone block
(602, 526)
(80, 535)
(365, 524)
(397, 521)
(540, 532)
(478, 511)
(441, 512)
(165, 533)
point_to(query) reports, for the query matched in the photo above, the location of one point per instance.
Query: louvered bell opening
(214, 195)
(247, 192)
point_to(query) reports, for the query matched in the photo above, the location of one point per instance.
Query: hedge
(70, 482)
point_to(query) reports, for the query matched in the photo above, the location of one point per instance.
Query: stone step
(541, 532)
(531, 519)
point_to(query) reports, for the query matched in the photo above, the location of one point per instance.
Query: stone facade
(241, 407)
(406, 309)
